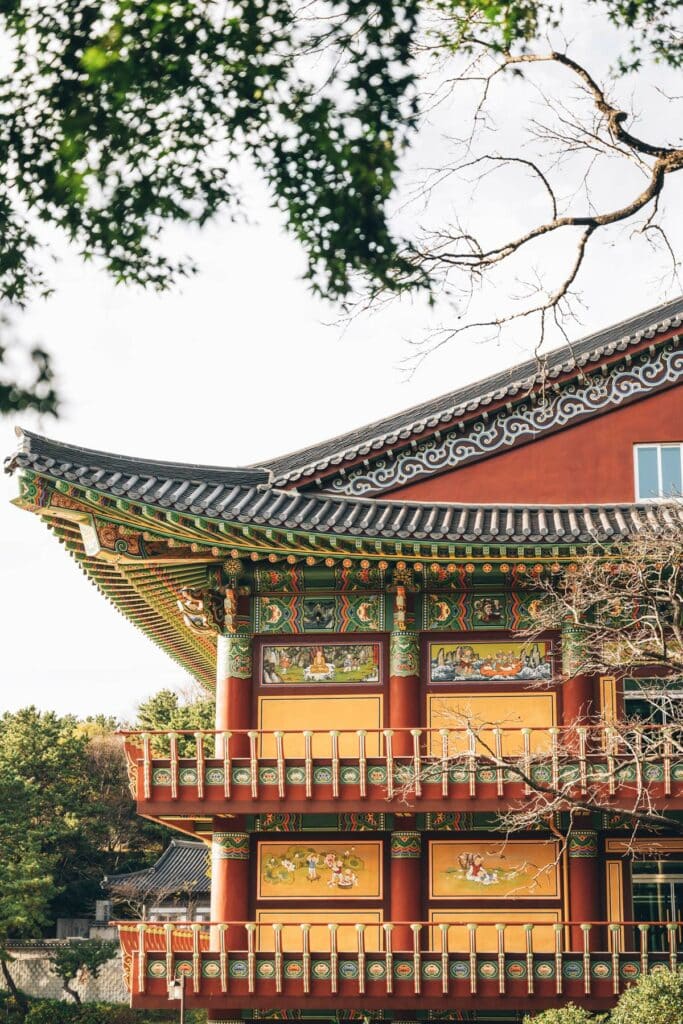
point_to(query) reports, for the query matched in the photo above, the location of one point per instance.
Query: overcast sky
(239, 363)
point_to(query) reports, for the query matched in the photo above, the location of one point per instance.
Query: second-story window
(659, 471)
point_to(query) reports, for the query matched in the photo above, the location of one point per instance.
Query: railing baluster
(168, 941)
(308, 762)
(389, 758)
(417, 958)
(281, 767)
(443, 733)
(334, 959)
(417, 760)
(173, 748)
(555, 757)
(388, 956)
(644, 955)
(500, 939)
(360, 931)
(672, 927)
(196, 960)
(472, 939)
(559, 943)
(667, 761)
(444, 929)
(306, 956)
(611, 744)
(526, 738)
(277, 943)
(616, 944)
(253, 763)
(227, 765)
(199, 741)
(583, 769)
(529, 944)
(251, 956)
(586, 932)
(472, 761)
(639, 760)
(142, 958)
(500, 775)
(362, 764)
(334, 757)
(146, 767)
(223, 956)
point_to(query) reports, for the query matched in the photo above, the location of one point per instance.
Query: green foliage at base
(656, 999)
(53, 1011)
(569, 1014)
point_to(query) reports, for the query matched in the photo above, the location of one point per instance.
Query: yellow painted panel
(615, 896)
(652, 846)
(543, 936)
(319, 870)
(608, 698)
(493, 870)
(510, 712)
(347, 938)
(320, 714)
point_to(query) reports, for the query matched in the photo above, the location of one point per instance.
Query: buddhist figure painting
(320, 871)
(321, 663)
(511, 870)
(497, 659)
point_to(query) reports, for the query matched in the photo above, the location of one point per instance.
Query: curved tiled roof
(183, 489)
(371, 438)
(182, 868)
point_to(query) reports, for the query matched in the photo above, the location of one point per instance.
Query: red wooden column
(404, 688)
(233, 690)
(585, 902)
(578, 689)
(405, 882)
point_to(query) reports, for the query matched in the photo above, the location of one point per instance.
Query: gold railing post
(583, 768)
(360, 931)
(334, 757)
(223, 956)
(281, 768)
(388, 956)
(173, 749)
(672, 927)
(417, 760)
(500, 774)
(472, 937)
(142, 958)
(168, 941)
(615, 929)
(500, 941)
(196, 959)
(199, 740)
(554, 756)
(334, 958)
(389, 758)
(444, 928)
(277, 942)
(146, 766)
(417, 958)
(308, 762)
(472, 761)
(362, 764)
(586, 932)
(227, 765)
(306, 956)
(644, 953)
(251, 956)
(559, 942)
(529, 944)
(526, 737)
(611, 744)
(443, 733)
(667, 760)
(253, 763)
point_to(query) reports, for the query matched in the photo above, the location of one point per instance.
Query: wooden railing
(251, 765)
(228, 957)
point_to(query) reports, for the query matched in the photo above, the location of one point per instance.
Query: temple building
(357, 607)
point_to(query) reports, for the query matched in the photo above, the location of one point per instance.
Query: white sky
(235, 365)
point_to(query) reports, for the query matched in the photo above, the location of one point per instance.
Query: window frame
(658, 446)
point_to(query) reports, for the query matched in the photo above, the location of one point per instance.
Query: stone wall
(31, 972)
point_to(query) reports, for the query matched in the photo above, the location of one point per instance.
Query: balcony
(383, 770)
(404, 965)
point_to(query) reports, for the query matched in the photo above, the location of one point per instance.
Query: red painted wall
(590, 462)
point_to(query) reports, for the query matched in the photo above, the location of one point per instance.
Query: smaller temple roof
(183, 868)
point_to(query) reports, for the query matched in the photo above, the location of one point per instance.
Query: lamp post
(176, 990)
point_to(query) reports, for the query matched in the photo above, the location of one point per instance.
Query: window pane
(648, 482)
(671, 470)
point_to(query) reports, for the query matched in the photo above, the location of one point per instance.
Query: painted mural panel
(320, 871)
(484, 870)
(495, 660)
(320, 663)
(469, 610)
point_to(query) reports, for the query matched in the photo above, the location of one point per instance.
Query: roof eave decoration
(606, 370)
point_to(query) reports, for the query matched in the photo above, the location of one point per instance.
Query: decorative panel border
(329, 613)
(320, 870)
(480, 869)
